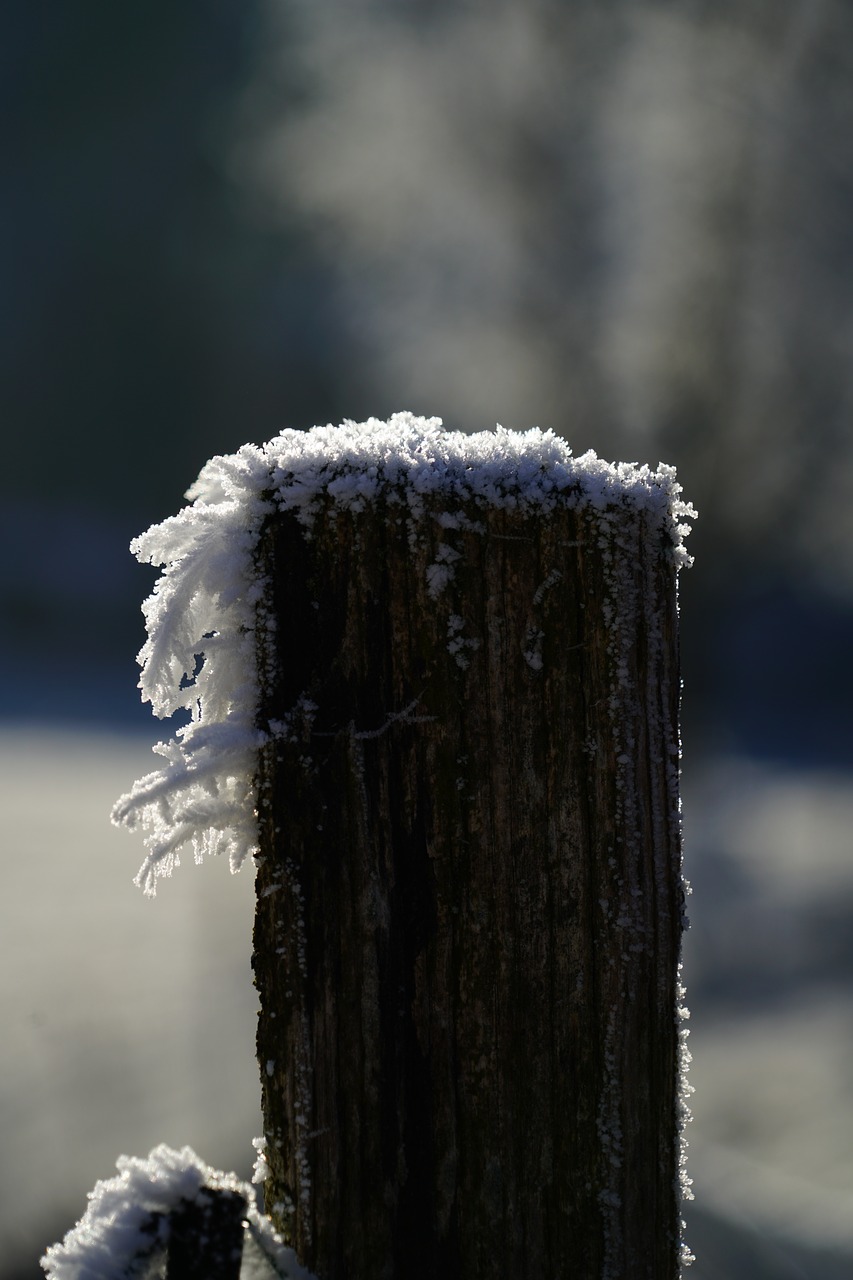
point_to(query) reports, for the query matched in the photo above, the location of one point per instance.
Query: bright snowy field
(125, 1021)
(128, 1022)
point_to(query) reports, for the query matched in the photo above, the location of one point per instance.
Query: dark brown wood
(206, 1236)
(470, 900)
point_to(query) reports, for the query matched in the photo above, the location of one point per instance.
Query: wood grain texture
(206, 1236)
(470, 900)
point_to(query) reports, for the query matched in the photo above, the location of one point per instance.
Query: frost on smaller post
(171, 1215)
(135, 1221)
(433, 685)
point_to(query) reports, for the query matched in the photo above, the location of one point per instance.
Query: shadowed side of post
(470, 900)
(206, 1236)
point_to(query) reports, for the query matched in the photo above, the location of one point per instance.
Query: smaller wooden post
(206, 1236)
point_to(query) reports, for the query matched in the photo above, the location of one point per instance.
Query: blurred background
(629, 221)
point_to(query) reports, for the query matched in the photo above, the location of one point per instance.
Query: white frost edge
(684, 1112)
(127, 1218)
(205, 601)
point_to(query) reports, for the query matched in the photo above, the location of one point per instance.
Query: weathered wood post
(470, 900)
(206, 1236)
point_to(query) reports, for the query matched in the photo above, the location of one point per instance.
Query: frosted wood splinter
(456, 759)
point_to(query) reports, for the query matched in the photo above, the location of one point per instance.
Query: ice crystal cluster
(200, 654)
(125, 1229)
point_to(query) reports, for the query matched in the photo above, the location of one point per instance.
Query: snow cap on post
(129, 1224)
(201, 654)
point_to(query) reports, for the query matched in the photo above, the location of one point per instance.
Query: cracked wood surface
(469, 895)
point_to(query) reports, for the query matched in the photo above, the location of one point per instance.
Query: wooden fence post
(470, 900)
(206, 1236)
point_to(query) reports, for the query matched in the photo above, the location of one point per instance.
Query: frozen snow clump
(126, 1224)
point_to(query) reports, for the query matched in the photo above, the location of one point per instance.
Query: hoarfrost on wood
(201, 654)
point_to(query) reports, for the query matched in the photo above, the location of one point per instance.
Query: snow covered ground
(128, 1022)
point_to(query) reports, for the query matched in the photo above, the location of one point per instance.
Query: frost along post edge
(439, 705)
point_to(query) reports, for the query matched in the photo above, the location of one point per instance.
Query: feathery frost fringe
(205, 601)
(204, 604)
(126, 1222)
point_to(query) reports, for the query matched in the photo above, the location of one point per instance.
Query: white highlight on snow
(459, 645)
(204, 607)
(127, 1219)
(261, 1171)
(683, 1112)
(408, 458)
(441, 573)
(204, 604)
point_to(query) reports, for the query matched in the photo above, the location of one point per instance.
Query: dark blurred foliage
(148, 320)
(629, 222)
(149, 323)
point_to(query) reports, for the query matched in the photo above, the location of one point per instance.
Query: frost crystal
(126, 1222)
(202, 610)
(200, 655)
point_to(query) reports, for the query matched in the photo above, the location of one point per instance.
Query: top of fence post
(205, 601)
